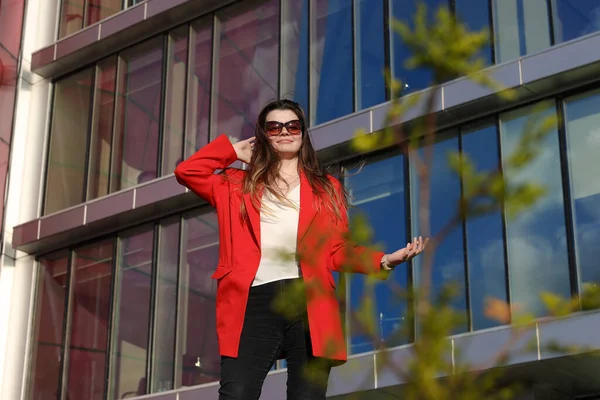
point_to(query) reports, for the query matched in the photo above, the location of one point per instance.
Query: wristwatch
(385, 265)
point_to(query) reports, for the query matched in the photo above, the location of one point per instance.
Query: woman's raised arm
(197, 173)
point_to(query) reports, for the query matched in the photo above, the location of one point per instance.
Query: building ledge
(570, 65)
(528, 363)
(117, 32)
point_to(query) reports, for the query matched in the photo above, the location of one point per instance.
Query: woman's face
(284, 130)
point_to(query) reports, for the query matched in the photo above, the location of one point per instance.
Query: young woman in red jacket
(282, 220)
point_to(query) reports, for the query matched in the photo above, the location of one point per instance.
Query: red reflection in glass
(248, 71)
(90, 314)
(48, 323)
(197, 325)
(130, 348)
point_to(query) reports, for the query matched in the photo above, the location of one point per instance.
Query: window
(198, 103)
(78, 14)
(475, 14)
(574, 18)
(52, 293)
(135, 152)
(200, 358)
(370, 53)
(411, 79)
(90, 315)
(521, 27)
(536, 240)
(166, 310)
(583, 146)
(444, 189)
(247, 75)
(294, 52)
(131, 323)
(102, 128)
(378, 194)
(175, 98)
(331, 79)
(484, 234)
(70, 122)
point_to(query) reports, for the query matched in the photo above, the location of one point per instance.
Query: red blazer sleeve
(197, 173)
(348, 256)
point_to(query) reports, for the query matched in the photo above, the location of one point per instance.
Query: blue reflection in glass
(536, 239)
(333, 72)
(583, 138)
(370, 53)
(575, 18)
(294, 52)
(378, 194)
(444, 188)
(485, 248)
(411, 79)
(475, 14)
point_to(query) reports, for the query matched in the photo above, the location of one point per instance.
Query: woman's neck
(289, 167)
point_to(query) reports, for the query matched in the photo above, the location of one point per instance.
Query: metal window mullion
(575, 283)
(167, 45)
(468, 299)
(214, 78)
(91, 120)
(492, 35)
(114, 320)
(67, 320)
(117, 103)
(191, 60)
(152, 308)
(47, 149)
(111, 313)
(387, 44)
(280, 47)
(312, 89)
(410, 271)
(551, 22)
(178, 346)
(356, 61)
(504, 219)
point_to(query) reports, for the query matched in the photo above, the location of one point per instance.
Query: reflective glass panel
(197, 332)
(485, 243)
(574, 18)
(248, 66)
(70, 123)
(583, 143)
(448, 268)
(133, 291)
(294, 51)
(331, 60)
(378, 194)
(90, 313)
(47, 336)
(370, 53)
(536, 239)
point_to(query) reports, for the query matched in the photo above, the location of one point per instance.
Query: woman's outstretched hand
(407, 253)
(243, 149)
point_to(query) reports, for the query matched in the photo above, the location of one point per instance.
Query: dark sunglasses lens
(294, 127)
(274, 128)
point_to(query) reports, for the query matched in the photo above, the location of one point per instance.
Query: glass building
(105, 289)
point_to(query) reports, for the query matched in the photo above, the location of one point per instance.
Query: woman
(281, 221)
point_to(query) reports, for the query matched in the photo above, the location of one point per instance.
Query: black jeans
(265, 335)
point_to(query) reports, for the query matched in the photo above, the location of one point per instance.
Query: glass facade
(135, 313)
(78, 14)
(140, 112)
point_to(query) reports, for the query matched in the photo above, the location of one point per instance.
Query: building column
(17, 269)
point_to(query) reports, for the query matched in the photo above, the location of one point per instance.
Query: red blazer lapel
(308, 209)
(254, 216)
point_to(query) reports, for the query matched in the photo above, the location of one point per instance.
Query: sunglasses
(274, 128)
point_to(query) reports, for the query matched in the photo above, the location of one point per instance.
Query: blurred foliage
(436, 370)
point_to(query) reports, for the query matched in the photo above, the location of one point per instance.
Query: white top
(278, 236)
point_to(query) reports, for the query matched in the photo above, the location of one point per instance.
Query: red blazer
(321, 243)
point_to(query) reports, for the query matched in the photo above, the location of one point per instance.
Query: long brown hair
(263, 170)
